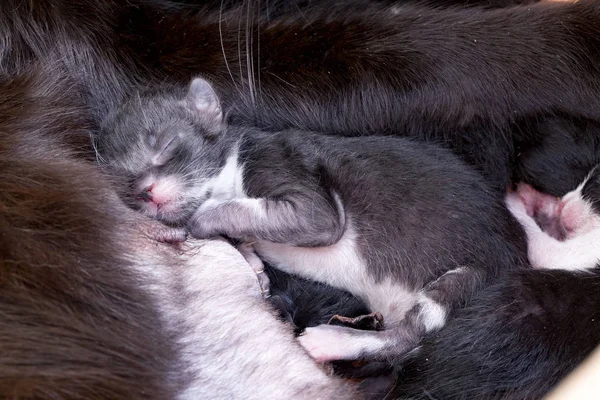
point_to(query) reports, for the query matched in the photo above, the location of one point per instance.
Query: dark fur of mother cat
(398, 72)
(517, 340)
(460, 76)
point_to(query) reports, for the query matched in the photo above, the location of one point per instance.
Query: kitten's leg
(300, 221)
(544, 251)
(329, 343)
(166, 234)
(259, 268)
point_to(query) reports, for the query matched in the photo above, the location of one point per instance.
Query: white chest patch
(227, 185)
(340, 265)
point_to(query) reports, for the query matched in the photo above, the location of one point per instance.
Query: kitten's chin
(173, 218)
(170, 214)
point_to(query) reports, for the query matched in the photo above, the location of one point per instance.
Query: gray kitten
(405, 226)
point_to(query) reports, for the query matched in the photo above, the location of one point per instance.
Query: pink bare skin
(544, 209)
(561, 233)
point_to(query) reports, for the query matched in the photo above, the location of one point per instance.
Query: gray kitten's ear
(202, 98)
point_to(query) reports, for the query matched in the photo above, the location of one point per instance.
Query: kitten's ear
(202, 98)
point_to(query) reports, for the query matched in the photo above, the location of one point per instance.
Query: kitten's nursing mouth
(170, 212)
(161, 198)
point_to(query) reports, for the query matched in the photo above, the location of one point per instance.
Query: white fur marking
(327, 343)
(579, 253)
(432, 314)
(227, 185)
(341, 265)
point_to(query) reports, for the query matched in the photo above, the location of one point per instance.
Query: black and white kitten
(405, 226)
(522, 335)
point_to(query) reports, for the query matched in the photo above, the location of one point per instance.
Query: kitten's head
(164, 146)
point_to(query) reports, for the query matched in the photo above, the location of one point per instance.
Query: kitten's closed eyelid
(165, 151)
(170, 144)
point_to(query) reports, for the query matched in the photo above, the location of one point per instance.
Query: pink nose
(146, 195)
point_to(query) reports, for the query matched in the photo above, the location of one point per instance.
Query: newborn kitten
(562, 233)
(405, 226)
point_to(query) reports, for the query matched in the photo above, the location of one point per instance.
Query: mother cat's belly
(341, 265)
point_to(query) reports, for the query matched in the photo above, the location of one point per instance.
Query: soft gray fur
(406, 226)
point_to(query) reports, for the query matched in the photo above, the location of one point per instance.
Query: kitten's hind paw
(370, 322)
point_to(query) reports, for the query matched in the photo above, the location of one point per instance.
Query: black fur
(307, 303)
(556, 153)
(460, 76)
(516, 340)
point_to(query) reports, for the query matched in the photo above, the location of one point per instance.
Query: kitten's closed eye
(164, 149)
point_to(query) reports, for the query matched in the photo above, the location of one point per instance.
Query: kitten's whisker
(239, 49)
(249, 54)
(258, 47)
(99, 158)
(223, 46)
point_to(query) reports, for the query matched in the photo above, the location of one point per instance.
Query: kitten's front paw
(204, 224)
(200, 227)
(166, 234)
